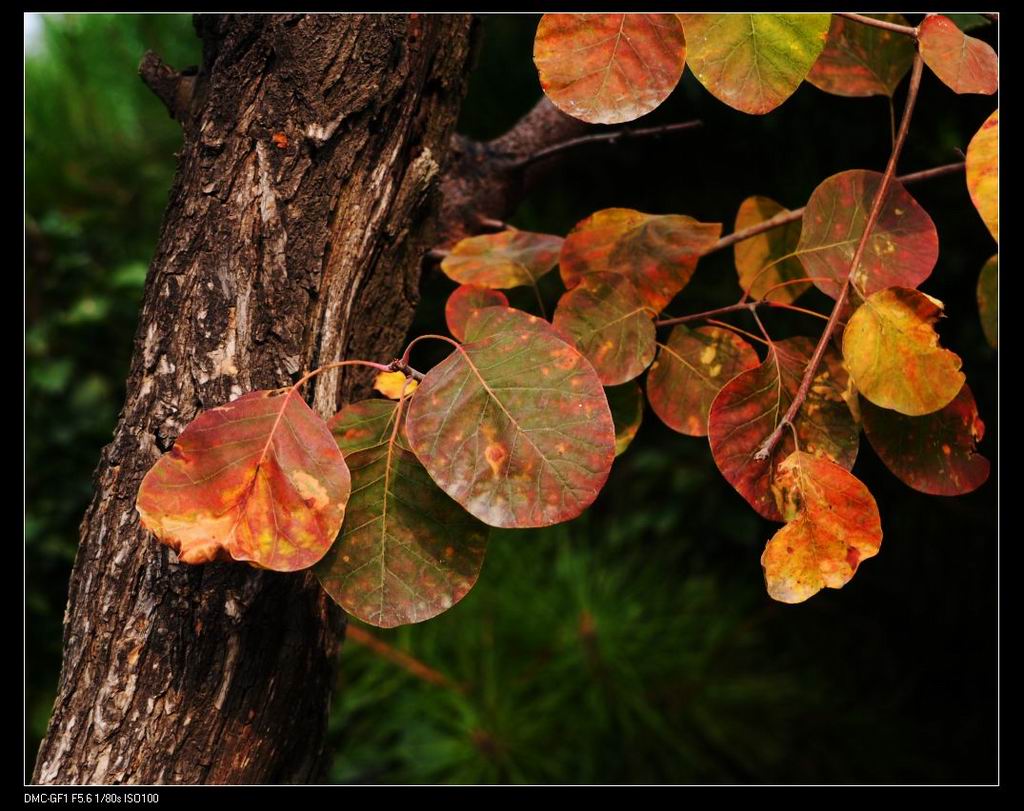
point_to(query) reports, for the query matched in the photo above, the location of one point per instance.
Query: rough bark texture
(313, 147)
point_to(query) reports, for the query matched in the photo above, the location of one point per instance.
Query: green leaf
(754, 62)
(988, 300)
(406, 552)
(514, 425)
(610, 324)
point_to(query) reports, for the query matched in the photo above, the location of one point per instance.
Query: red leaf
(259, 480)
(750, 406)
(963, 63)
(935, 453)
(863, 60)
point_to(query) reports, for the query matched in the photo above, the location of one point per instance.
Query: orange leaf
(259, 480)
(965, 64)
(983, 173)
(609, 68)
(833, 526)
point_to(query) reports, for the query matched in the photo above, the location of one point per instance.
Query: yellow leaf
(391, 384)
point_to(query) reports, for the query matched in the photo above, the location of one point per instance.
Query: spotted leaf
(833, 526)
(258, 480)
(608, 68)
(609, 323)
(768, 259)
(935, 453)
(509, 259)
(901, 250)
(690, 371)
(752, 404)
(464, 301)
(406, 552)
(514, 425)
(657, 253)
(983, 173)
(863, 60)
(892, 353)
(965, 64)
(754, 62)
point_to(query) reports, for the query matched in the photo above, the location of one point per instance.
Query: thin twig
(734, 308)
(899, 29)
(409, 663)
(609, 138)
(876, 209)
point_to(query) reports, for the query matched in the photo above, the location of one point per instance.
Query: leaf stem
(907, 30)
(735, 308)
(383, 367)
(876, 209)
(404, 360)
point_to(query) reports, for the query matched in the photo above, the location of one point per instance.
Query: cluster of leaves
(391, 499)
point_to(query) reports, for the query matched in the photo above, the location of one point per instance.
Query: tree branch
(876, 209)
(898, 29)
(172, 87)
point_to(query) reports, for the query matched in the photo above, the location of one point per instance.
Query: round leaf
(759, 260)
(608, 68)
(892, 353)
(983, 173)
(464, 301)
(509, 259)
(833, 526)
(690, 371)
(657, 253)
(754, 62)
(862, 60)
(936, 453)
(963, 63)
(609, 323)
(751, 405)
(406, 552)
(901, 250)
(259, 480)
(514, 425)
(627, 405)
(988, 300)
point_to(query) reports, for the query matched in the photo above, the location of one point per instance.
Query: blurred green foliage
(635, 644)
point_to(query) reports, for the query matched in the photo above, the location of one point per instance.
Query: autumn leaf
(863, 60)
(983, 173)
(768, 259)
(608, 68)
(833, 525)
(466, 299)
(753, 62)
(393, 384)
(657, 253)
(988, 300)
(609, 323)
(892, 353)
(963, 63)
(514, 424)
(258, 480)
(900, 252)
(508, 259)
(690, 371)
(935, 453)
(627, 406)
(406, 552)
(749, 407)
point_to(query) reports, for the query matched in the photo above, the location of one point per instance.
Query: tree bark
(303, 202)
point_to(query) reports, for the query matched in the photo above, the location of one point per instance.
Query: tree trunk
(302, 206)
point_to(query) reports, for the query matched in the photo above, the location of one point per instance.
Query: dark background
(636, 643)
